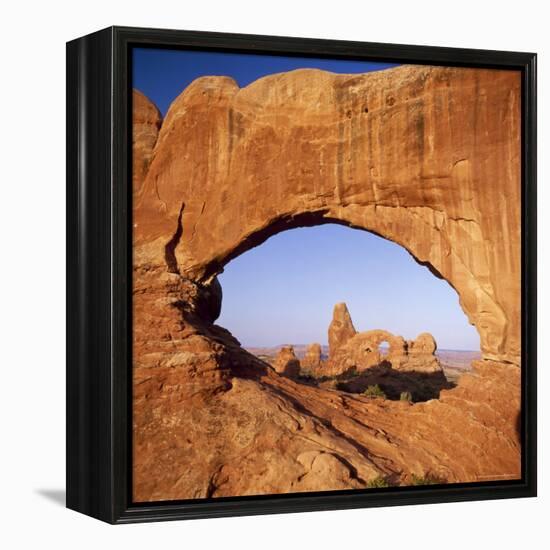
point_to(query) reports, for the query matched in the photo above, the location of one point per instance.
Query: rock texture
(362, 352)
(146, 121)
(427, 157)
(286, 362)
(421, 354)
(424, 344)
(211, 420)
(341, 328)
(313, 360)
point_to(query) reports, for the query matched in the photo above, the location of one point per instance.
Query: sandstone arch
(426, 165)
(427, 157)
(371, 339)
(362, 352)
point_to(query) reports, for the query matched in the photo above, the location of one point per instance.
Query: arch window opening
(347, 310)
(384, 348)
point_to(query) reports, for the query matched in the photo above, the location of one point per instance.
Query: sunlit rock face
(341, 328)
(286, 362)
(428, 157)
(313, 356)
(146, 121)
(362, 351)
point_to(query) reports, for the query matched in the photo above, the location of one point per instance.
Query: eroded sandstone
(359, 351)
(146, 122)
(427, 157)
(313, 359)
(286, 362)
(341, 328)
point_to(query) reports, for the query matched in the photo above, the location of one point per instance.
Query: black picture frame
(99, 275)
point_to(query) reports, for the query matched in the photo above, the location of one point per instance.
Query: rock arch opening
(384, 348)
(433, 196)
(279, 298)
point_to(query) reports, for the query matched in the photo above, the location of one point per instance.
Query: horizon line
(246, 346)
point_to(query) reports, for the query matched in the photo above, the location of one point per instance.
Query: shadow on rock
(395, 385)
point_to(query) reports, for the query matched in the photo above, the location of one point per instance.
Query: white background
(32, 277)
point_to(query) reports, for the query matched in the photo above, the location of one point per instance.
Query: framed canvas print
(301, 275)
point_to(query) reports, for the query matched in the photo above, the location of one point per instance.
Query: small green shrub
(405, 396)
(374, 391)
(425, 480)
(348, 373)
(352, 372)
(377, 483)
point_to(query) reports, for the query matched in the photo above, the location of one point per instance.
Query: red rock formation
(362, 351)
(146, 121)
(286, 362)
(341, 328)
(313, 360)
(427, 157)
(421, 354)
(424, 344)
(212, 420)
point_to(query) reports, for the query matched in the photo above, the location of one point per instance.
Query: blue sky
(163, 74)
(284, 290)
